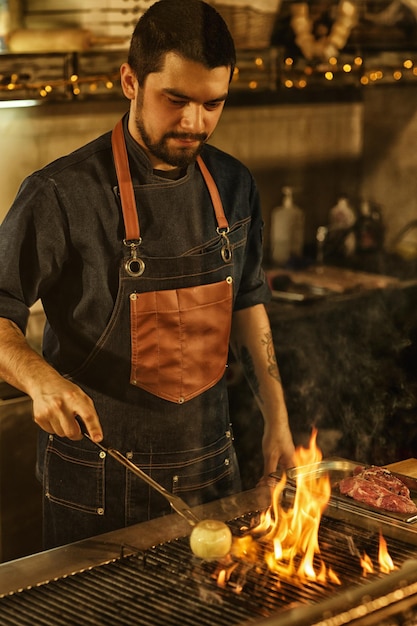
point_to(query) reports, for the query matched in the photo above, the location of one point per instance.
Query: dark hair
(191, 28)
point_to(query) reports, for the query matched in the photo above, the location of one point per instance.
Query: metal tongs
(177, 504)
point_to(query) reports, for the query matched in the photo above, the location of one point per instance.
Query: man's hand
(278, 450)
(56, 400)
(58, 403)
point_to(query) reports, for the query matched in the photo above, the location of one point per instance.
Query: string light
(362, 72)
(75, 83)
(295, 73)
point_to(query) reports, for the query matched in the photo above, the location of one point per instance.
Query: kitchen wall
(364, 148)
(390, 154)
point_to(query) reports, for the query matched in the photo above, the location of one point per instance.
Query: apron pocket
(218, 479)
(74, 476)
(180, 339)
(197, 476)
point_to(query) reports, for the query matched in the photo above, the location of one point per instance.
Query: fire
(294, 532)
(287, 539)
(366, 563)
(386, 564)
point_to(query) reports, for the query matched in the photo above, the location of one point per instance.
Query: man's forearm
(252, 343)
(20, 365)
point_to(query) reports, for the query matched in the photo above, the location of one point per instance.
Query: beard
(177, 157)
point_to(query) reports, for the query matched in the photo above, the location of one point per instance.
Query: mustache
(187, 136)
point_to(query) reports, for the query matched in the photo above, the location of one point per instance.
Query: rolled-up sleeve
(253, 287)
(32, 246)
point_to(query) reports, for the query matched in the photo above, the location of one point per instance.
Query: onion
(211, 540)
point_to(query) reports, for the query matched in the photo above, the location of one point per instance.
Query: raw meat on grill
(379, 488)
(385, 478)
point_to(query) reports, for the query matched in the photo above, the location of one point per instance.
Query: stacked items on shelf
(251, 23)
(104, 18)
(99, 32)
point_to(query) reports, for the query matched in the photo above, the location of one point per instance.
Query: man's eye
(178, 103)
(212, 106)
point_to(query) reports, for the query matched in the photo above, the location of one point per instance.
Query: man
(147, 260)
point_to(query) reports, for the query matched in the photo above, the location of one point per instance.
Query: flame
(333, 577)
(286, 539)
(293, 533)
(366, 564)
(386, 564)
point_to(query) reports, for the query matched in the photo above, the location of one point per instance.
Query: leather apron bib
(156, 376)
(179, 336)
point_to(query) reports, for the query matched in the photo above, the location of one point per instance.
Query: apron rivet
(229, 280)
(181, 400)
(102, 454)
(100, 511)
(133, 296)
(227, 461)
(129, 455)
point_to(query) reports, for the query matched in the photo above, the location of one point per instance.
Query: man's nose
(193, 119)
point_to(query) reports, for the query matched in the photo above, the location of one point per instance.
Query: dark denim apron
(157, 378)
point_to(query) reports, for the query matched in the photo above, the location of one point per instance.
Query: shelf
(80, 75)
(265, 76)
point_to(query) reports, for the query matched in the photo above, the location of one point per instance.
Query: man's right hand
(56, 400)
(58, 403)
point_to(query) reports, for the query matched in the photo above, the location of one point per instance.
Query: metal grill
(166, 585)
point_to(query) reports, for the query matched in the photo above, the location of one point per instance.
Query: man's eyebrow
(183, 96)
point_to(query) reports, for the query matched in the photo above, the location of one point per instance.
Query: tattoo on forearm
(249, 367)
(270, 354)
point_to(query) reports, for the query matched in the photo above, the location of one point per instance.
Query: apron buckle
(226, 250)
(134, 266)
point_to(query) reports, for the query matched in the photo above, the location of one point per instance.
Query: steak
(379, 488)
(385, 478)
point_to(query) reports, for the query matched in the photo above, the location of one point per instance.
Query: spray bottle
(287, 230)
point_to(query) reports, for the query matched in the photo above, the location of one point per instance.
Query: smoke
(344, 369)
(349, 368)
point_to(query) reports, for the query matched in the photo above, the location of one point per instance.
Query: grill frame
(49, 565)
(52, 566)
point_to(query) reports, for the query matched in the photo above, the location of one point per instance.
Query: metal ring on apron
(134, 266)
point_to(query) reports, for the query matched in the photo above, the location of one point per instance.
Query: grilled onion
(211, 540)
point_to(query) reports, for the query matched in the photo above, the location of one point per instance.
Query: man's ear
(128, 81)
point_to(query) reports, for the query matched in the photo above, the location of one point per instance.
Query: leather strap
(222, 222)
(127, 195)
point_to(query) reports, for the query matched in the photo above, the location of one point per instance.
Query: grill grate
(167, 586)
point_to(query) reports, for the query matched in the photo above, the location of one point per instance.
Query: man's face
(177, 110)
